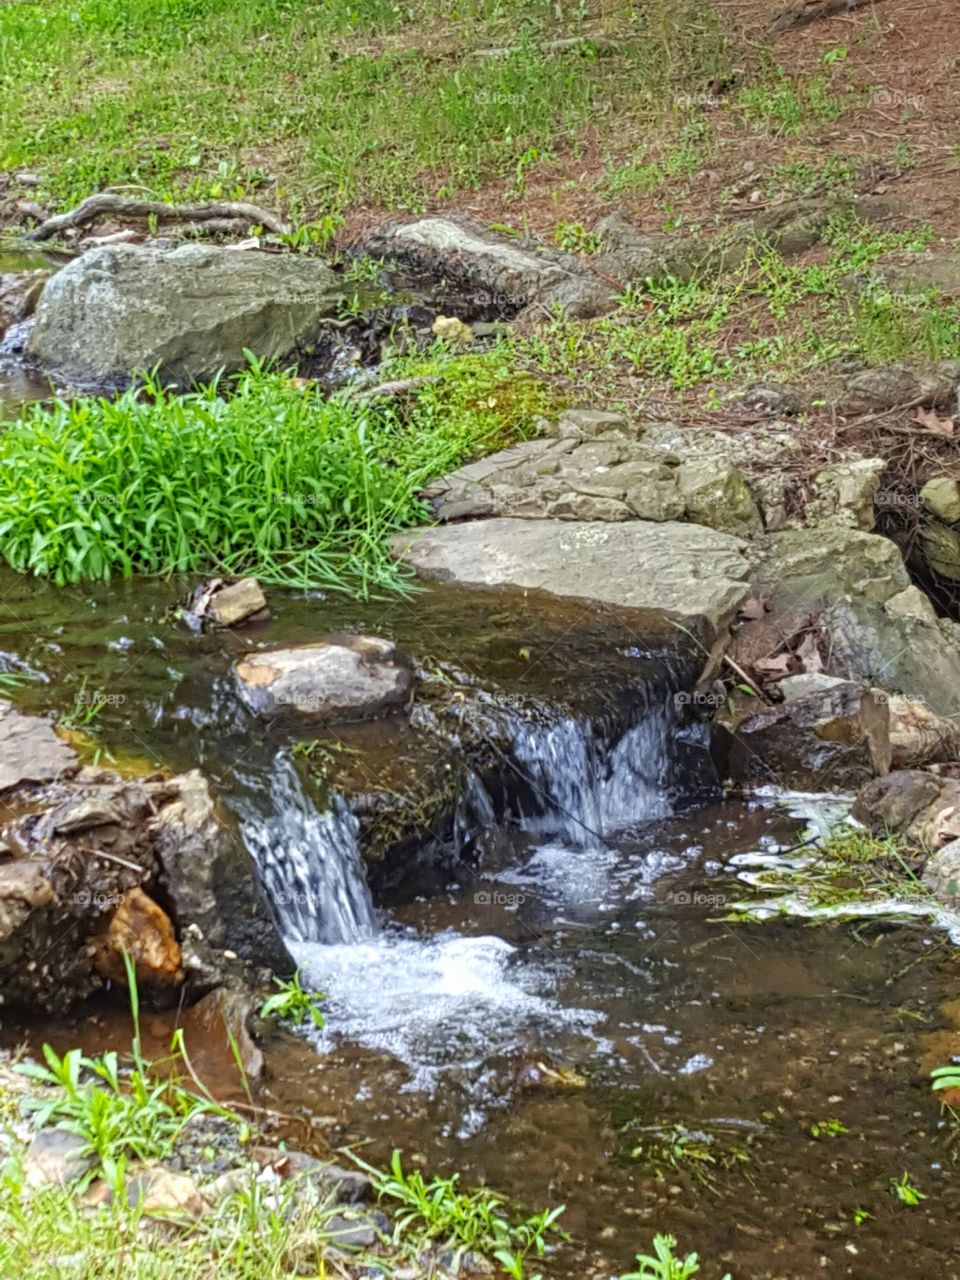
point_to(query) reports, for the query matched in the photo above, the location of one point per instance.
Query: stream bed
(568, 1017)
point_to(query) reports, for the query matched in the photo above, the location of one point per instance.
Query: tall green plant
(268, 477)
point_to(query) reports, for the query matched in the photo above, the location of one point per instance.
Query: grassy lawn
(317, 106)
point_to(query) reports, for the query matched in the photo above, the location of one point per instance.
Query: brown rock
(223, 1014)
(141, 928)
(918, 735)
(828, 733)
(907, 802)
(238, 602)
(164, 1194)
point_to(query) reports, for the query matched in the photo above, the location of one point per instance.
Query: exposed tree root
(390, 390)
(807, 11)
(602, 44)
(219, 216)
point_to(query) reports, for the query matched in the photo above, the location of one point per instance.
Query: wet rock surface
(19, 293)
(189, 311)
(94, 864)
(141, 929)
(31, 751)
(223, 604)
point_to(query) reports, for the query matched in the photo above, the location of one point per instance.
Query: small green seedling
(905, 1191)
(827, 1128)
(292, 1003)
(663, 1264)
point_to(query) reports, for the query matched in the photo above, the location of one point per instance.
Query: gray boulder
(119, 311)
(941, 497)
(845, 493)
(500, 271)
(920, 659)
(717, 494)
(857, 585)
(345, 677)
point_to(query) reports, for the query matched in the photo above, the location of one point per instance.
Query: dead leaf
(932, 422)
(776, 667)
(809, 654)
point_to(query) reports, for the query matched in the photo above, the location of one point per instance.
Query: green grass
(129, 1113)
(843, 876)
(768, 317)
(293, 1003)
(317, 106)
(270, 478)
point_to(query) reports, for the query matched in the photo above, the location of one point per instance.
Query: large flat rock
(680, 572)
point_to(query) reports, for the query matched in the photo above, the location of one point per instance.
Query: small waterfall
(584, 787)
(309, 862)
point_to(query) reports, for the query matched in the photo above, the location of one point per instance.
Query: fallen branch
(801, 15)
(106, 205)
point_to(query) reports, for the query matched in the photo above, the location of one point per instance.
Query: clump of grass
(269, 478)
(767, 316)
(121, 1112)
(478, 1220)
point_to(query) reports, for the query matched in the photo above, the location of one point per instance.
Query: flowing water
(562, 1011)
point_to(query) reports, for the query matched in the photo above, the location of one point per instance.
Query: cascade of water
(586, 789)
(309, 862)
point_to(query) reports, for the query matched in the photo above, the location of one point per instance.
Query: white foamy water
(439, 1005)
(448, 1005)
